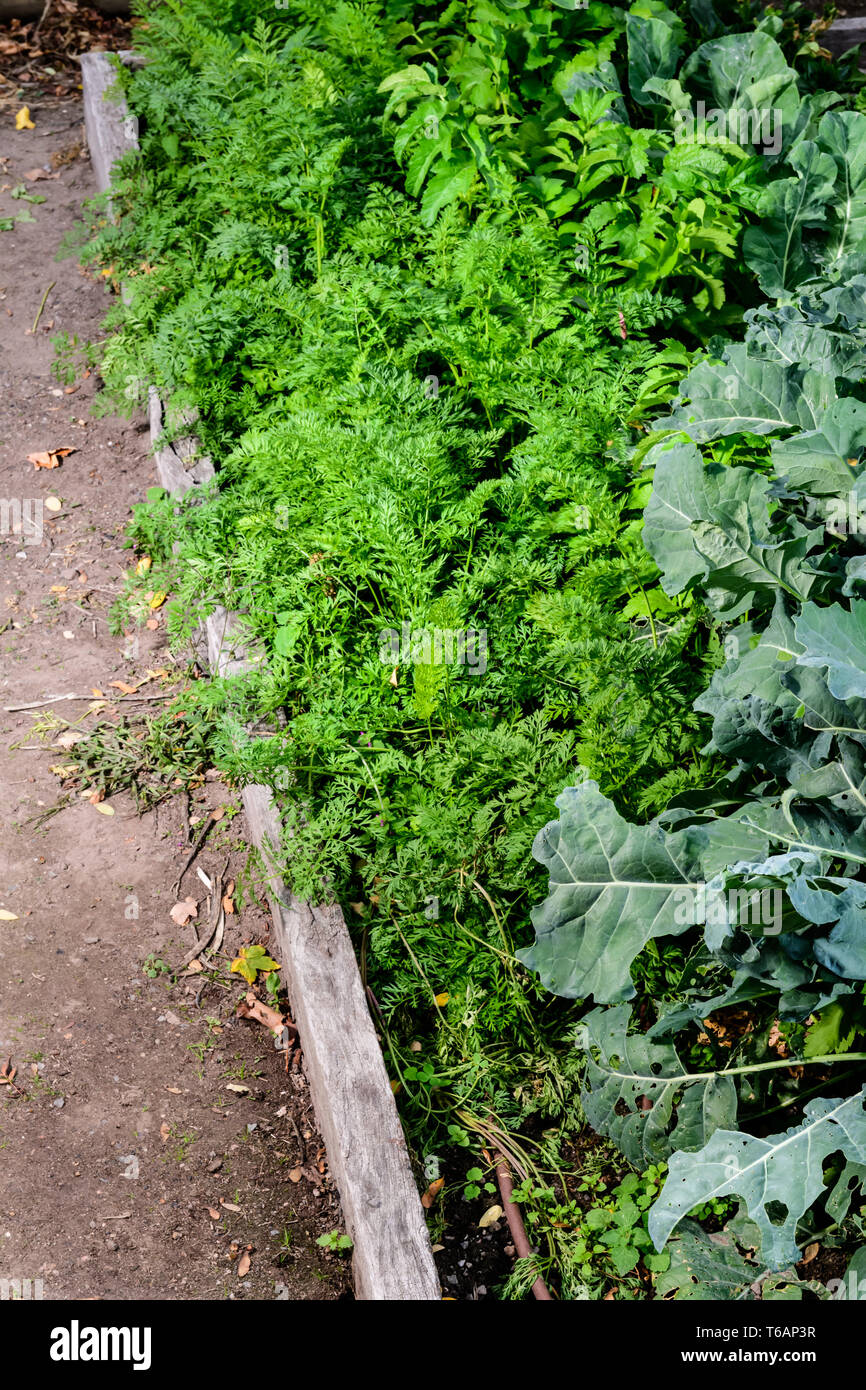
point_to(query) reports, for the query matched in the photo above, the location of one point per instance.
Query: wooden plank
(351, 1093)
(844, 34)
(111, 130)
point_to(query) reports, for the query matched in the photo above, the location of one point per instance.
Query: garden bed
(428, 284)
(353, 1101)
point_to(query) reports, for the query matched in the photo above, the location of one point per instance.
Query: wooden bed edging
(351, 1093)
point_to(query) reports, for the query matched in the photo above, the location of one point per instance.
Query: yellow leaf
(23, 121)
(104, 809)
(442, 999)
(7, 916)
(491, 1215)
(157, 600)
(143, 565)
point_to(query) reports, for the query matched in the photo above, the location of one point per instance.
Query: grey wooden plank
(111, 130)
(844, 34)
(351, 1093)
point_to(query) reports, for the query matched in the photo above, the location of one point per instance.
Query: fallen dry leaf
(214, 1214)
(810, 1252)
(183, 912)
(432, 1193)
(296, 1174)
(53, 504)
(490, 1217)
(105, 810)
(157, 600)
(235, 1086)
(67, 739)
(164, 1131)
(229, 1206)
(244, 1264)
(49, 458)
(7, 916)
(33, 175)
(143, 565)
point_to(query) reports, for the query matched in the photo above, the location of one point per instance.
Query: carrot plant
(425, 276)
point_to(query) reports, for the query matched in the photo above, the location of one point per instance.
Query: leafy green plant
(335, 1241)
(768, 861)
(429, 413)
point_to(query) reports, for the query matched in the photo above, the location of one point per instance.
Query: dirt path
(125, 1139)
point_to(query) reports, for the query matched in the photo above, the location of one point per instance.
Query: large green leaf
(756, 671)
(774, 250)
(778, 1177)
(834, 639)
(745, 395)
(824, 461)
(613, 886)
(623, 1069)
(842, 134)
(653, 49)
(744, 72)
(711, 1268)
(454, 181)
(710, 524)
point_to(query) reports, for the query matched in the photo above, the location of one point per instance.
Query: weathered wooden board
(111, 131)
(844, 34)
(352, 1096)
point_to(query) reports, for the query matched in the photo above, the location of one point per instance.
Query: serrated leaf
(709, 524)
(613, 886)
(743, 395)
(778, 1177)
(705, 1267)
(834, 640)
(622, 1069)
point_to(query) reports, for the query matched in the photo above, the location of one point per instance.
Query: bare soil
(151, 1138)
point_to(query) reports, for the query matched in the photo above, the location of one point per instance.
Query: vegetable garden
(529, 343)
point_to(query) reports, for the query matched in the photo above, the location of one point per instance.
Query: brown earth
(121, 1133)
